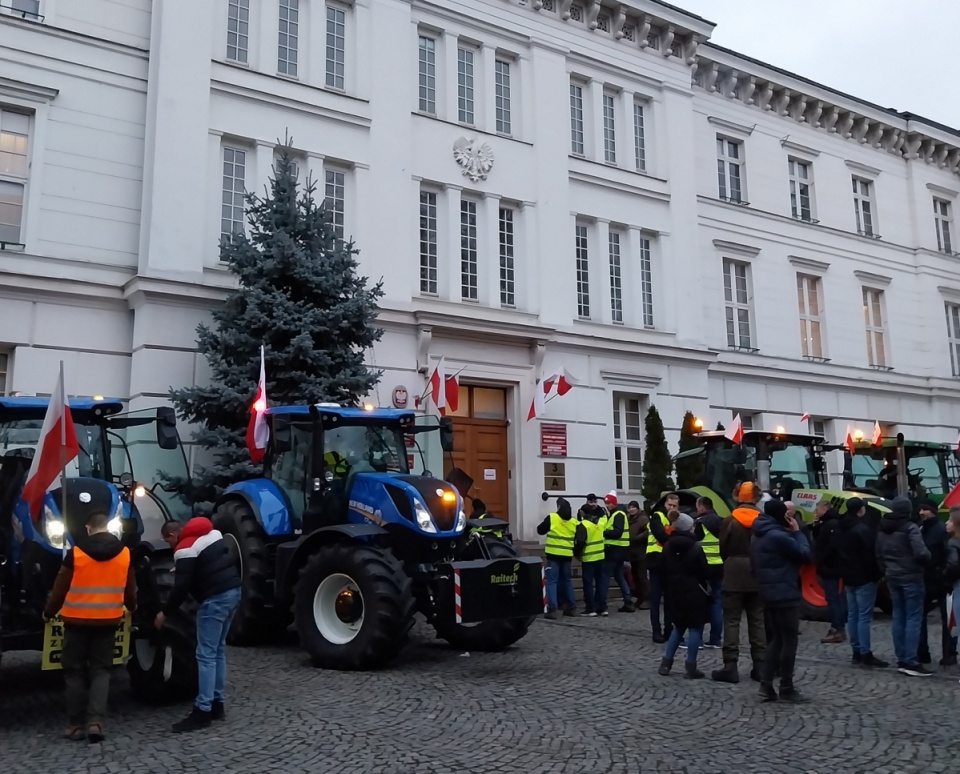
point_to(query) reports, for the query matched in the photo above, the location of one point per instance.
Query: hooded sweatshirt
(101, 547)
(901, 554)
(775, 556)
(203, 565)
(735, 539)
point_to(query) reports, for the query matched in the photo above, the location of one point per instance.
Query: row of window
(14, 136)
(617, 110)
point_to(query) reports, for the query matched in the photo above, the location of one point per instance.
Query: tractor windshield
(20, 437)
(424, 452)
(365, 448)
(875, 469)
(791, 466)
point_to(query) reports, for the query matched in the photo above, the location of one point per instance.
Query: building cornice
(804, 150)
(730, 126)
(724, 246)
(809, 264)
(950, 193)
(874, 280)
(27, 91)
(862, 169)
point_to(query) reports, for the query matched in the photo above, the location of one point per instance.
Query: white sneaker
(605, 613)
(591, 615)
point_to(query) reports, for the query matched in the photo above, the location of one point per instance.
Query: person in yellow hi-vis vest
(660, 528)
(616, 538)
(561, 531)
(591, 564)
(96, 581)
(707, 531)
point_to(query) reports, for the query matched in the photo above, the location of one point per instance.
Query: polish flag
(805, 417)
(449, 396)
(735, 431)
(952, 498)
(849, 441)
(958, 444)
(257, 431)
(565, 382)
(877, 434)
(58, 445)
(538, 404)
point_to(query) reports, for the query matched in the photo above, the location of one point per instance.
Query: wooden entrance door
(480, 446)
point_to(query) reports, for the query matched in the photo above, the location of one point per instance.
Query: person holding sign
(96, 581)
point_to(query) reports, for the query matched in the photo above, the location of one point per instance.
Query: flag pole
(63, 455)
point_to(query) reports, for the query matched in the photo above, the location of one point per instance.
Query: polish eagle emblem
(474, 156)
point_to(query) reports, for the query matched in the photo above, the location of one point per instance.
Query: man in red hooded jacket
(205, 570)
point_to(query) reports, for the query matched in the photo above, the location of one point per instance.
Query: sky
(902, 55)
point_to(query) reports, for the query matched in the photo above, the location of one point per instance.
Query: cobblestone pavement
(579, 696)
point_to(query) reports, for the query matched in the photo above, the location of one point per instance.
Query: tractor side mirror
(446, 434)
(280, 433)
(167, 437)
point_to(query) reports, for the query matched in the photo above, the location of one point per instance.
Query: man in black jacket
(934, 533)
(825, 532)
(860, 574)
(204, 569)
(707, 531)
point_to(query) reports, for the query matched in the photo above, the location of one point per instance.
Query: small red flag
(735, 431)
(258, 433)
(877, 434)
(952, 498)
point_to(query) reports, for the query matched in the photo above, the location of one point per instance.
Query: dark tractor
(161, 665)
(340, 538)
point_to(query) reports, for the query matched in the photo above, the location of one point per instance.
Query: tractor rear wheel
(257, 620)
(353, 606)
(813, 606)
(162, 664)
(487, 636)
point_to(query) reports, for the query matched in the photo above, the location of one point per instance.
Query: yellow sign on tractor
(53, 643)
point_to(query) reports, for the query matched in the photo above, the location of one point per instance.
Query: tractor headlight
(461, 521)
(53, 528)
(424, 520)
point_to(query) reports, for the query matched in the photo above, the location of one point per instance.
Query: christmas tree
(689, 469)
(299, 295)
(656, 459)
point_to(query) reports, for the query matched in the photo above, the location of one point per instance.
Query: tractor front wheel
(353, 606)
(813, 606)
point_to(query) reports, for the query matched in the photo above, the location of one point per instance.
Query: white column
(486, 92)
(600, 274)
(448, 258)
(526, 259)
(211, 242)
(593, 120)
(264, 37)
(447, 79)
(626, 147)
(314, 173)
(262, 168)
(489, 272)
(359, 41)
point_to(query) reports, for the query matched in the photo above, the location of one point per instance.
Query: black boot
(665, 666)
(756, 672)
(728, 674)
(658, 638)
(692, 672)
(197, 719)
(791, 694)
(217, 712)
(766, 691)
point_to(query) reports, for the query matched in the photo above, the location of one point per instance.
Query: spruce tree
(299, 295)
(656, 458)
(689, 469)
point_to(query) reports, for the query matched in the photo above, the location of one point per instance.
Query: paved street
(574, 696)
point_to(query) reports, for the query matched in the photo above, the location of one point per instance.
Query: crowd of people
(701, 574)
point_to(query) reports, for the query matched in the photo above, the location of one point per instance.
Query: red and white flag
(538, 404)
(849, 440)
(952, 498)
(958, 444)
(449, 396)
(258, 433)
(58, 445)
(565, 382)
(805, 417)
(877, 434)
(735, 431)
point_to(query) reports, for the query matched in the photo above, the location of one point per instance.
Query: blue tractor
(161, 665)
(341, 539)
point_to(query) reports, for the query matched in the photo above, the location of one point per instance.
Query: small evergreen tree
(300, 296)
(656, 459)
(689, 469)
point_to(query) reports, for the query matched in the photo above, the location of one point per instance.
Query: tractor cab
(931, 469)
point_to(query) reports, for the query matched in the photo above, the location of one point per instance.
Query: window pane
(335, 198)
(576, 118)
(489, 404)
(11, 211)
(234, 172)
(609, 129)
(634, 469)
(583, 272)
(428, 75)
(336, 46)
(238, 20)
(468, 249)
(502, 75)
(507, 268)
(465, 85)
(428, 242)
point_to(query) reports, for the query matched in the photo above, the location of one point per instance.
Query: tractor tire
(813, 604)
(257, 620)
(162, 663)
(487, 636)
(353, 606)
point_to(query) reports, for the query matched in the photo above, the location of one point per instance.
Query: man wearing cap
(95, 582)
(860, 574)
(639, 533)
(616, 540)
(591, 509)
(934, 533)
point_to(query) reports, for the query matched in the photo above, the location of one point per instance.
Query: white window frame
(953, 335)
(467, 84)
(427, 74)
(943, 220)
(628, 442)
(503, 95)
(335, 46)
(747, 420)
(800, 172)
(4, 371)
(577, 127)
(730, 168)
(810, 296)
(507, 228)
(18, 126)
(646, 283)
(876, 334)
(865, 207)
(335, 196)
(582, 257)
(288, 37)
(640, 135)
(614, 254)
(229, 155)
(15, 8)
(609, 107)
(238, 40)
(469, 249)
(429, 242)
(737, 305)
(819, 427)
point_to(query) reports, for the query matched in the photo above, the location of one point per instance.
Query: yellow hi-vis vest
(711, 546)
(561, 535)
(491, 530)
(624, 539)
(593, 550)
(653, 545)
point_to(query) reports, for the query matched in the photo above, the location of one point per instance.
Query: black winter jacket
(685, 567)
(901, 554)
(202, 570)
(951, 573)
(776, 554)
(858, 551)
(826, 544)
(934, 534)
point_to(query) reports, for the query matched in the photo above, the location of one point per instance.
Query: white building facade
(542, 185)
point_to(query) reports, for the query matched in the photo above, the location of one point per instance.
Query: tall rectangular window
(730, 169)
(14, 169)
(583, 272)
(465, 57)
(639, 138)
(808, 300)
(627, 443)
(953, 337)
(863, 206)
(508, 282)
(336, 46)
(609, 128)
(234, 175)
(502, 87)
(428, 243)
(468, 249)
(427, 64)
(873, 322)
(334, 197)
(576, 118)
(288, 40)
(736, 295)
(943, 216)
(238, 30)
(646, 283)
(4, 365)
(616, 278)
(801, 189)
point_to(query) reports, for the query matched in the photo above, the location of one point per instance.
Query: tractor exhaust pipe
(903, 484)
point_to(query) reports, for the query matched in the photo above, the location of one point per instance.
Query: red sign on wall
(553, 440)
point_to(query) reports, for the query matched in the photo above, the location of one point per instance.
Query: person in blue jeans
(902, 557)
(205, 570)
(707, 531)
(860, 574)
(561, 530)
